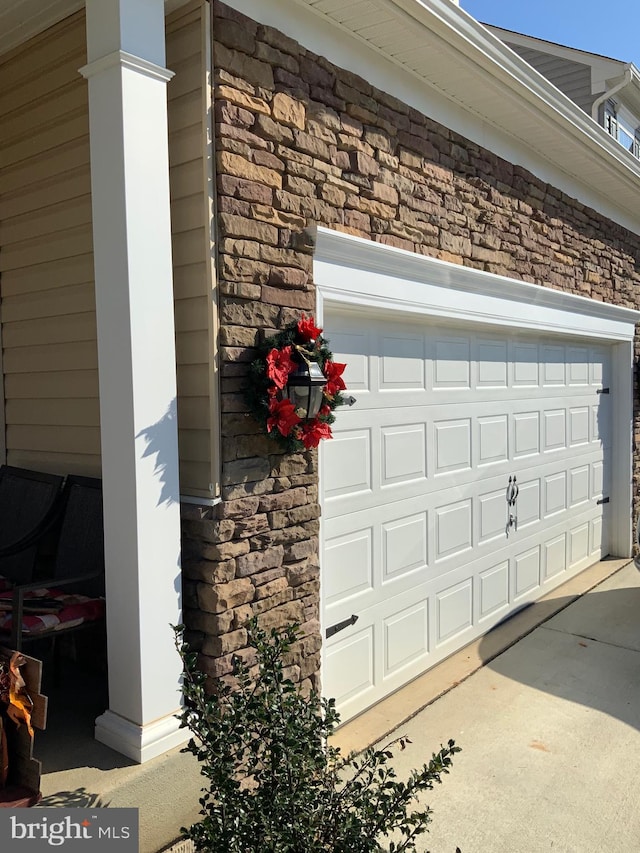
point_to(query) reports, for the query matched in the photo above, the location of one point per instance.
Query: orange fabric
(20, 705)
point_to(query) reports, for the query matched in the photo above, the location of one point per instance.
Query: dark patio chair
(29, 507)
(72, 596)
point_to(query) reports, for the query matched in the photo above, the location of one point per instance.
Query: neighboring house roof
(583, 76)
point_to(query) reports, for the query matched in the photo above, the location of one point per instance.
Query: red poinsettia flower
(283, 416)
(307, 329)
(279, 366)
(314, 432)
(333, 371)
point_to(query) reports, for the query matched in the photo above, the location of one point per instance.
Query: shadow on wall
(587, 654)
(161, 442)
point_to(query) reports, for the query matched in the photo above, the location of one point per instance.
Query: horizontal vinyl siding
(50, 363)
(191, 247)
(572, 78)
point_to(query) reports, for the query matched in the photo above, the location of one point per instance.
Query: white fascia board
(355, 272)
(480, 51)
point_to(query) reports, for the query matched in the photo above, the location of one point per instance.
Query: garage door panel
(526, 573)
(554, 556)
(416, 534)
(451, 364)
(526, 434)
(404, 453)
(404, 546)
(526, 365)
(597, 533)
(348, 566)
(453, 529)
(491, 357)
(555, 493)
(353, 349)
(579, 478)
(492, 439)
(493, 591)
(406, 637)
(578, 363)
(554, 366)
(349, 669)
(347, 463)
(554, 430)
(527, 509)
(452, 439)
(492, 516)
(602, 420)
(579, 550)
(454, 611)
(578, 425)
(402, 362)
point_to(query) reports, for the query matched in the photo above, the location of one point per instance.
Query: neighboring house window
(616, 122)
(611, 119)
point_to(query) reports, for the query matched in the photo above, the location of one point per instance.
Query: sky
(610, 28)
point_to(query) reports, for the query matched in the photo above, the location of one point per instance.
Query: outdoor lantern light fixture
(294, 386)
(304, 388)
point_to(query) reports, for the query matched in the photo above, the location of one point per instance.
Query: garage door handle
(340, 626)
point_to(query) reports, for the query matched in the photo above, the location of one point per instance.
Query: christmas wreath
(297, 346)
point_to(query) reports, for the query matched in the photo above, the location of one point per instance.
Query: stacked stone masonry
(301, 142)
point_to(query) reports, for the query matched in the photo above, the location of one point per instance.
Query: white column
(136, 351)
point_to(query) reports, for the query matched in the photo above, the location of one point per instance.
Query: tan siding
(195, 444)
(187, 279)
(71, 463)
(67, 157)
(35, 279)
(55, 357)
(50, 303)
(194, 379)
(56, 412)
(62, 439)
(191, 247)
(56, 384)
(46, 260)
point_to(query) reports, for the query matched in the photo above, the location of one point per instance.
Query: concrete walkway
(549, 733)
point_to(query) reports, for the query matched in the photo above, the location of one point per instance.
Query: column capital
(122, 59)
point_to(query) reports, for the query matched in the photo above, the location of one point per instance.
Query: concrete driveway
(549, 733)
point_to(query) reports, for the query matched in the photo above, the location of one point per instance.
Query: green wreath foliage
(259, 384)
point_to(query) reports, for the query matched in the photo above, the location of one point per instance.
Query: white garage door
(417, 539)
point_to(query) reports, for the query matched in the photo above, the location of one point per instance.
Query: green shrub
(274, 782)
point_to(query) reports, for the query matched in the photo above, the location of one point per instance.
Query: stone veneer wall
(298, 142)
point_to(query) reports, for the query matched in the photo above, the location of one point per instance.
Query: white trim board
(361, 272)
(350, 272)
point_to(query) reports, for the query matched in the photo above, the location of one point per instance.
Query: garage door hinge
(602, 391)
(340, 626)
(602, 501)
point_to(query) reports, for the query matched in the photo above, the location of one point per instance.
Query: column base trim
(141, 743)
